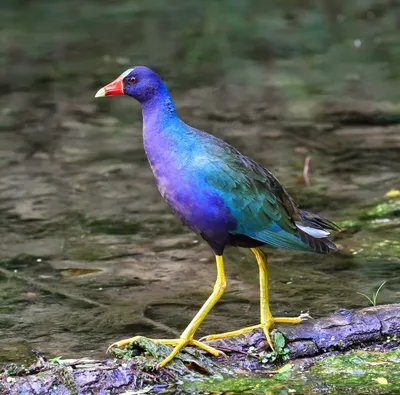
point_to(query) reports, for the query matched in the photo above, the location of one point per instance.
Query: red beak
(113, 88)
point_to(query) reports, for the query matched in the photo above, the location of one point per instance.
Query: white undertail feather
(318, 233)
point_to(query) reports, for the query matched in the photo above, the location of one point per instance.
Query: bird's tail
(314, 231)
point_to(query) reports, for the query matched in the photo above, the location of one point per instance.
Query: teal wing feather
(261, 207)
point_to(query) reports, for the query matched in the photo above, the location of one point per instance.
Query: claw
(305, 316)
(122, 343)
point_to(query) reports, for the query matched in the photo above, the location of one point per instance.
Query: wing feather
(255, 197)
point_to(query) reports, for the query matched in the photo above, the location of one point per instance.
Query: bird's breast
(181, 183)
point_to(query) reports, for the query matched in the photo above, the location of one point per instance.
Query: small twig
(304, 178)
(84, 361)
(306, 169)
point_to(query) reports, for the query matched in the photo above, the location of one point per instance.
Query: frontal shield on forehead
(115, 87)
(125, 73)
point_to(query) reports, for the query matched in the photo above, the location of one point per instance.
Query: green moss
(381, 214)
(363, 370)
(384, 209)
(358, 372)
(12, 369)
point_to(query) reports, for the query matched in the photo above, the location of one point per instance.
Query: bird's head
(139, 82)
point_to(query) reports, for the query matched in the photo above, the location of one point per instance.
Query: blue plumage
(219, 193)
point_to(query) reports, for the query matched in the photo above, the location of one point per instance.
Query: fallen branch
(135, 369)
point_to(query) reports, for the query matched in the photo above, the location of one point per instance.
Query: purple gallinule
(222, 195)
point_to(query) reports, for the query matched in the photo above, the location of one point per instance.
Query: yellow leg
(266, 318)
(186, 337)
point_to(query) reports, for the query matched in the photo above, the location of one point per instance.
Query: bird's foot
(265, 326)
(177, 343)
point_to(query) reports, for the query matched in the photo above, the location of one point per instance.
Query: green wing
(261, 207)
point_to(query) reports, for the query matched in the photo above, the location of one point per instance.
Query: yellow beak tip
(100, 93)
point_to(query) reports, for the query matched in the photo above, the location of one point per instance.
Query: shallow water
(91, 254)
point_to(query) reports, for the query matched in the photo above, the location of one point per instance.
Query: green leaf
(279, 341)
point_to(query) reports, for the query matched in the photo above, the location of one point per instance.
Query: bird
(222, 195)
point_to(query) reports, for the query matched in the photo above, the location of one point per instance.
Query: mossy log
(135, 367)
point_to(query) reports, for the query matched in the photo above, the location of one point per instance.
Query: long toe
(122, 343)
(223, 335)
(292, 320)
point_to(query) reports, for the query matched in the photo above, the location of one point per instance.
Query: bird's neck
(159, 110)
(164, 133)
(161, 128)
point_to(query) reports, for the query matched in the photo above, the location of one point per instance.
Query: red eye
(132, 80)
